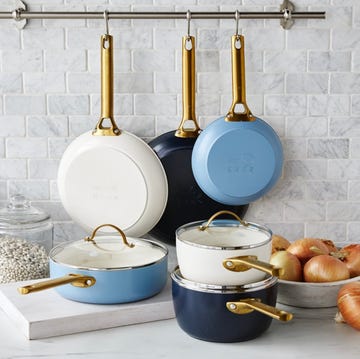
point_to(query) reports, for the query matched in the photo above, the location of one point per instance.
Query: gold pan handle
(244, 263)
(248, 305)
(77, 280)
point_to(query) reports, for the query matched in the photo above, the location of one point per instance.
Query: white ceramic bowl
(310, 295)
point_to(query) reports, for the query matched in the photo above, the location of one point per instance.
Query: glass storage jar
(26, 237)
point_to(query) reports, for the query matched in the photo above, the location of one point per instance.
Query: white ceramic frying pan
(109, 175)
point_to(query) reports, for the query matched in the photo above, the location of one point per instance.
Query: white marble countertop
(305, 336)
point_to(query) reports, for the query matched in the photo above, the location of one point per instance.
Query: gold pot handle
(245, 306)
(77, 280)
(188, 89)
(123, 236)
(244, 263)
(107, 90)
(239, 110)
(217, 214)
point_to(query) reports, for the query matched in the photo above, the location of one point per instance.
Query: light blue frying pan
(237, 158)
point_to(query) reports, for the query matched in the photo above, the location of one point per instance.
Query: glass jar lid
(20, 214)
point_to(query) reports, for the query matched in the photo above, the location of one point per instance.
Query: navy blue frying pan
(238, 158)
(186, 201)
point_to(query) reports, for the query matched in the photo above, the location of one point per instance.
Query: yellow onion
(348, 302)
(289, 263)
(351, 257)
(325, 268)
(304, 248)
(278, 243)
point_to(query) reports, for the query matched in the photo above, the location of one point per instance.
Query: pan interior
(104, 185)
(241, 162)
(108, 253)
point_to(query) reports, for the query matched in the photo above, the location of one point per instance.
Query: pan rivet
(229, 264)
(232, 306)
(88, 282)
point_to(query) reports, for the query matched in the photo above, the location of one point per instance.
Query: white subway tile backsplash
(332, 105)
(306, 127)
(343, 211)
(150, 60)
(286, 62)
(326, 190)
(304, 82)
(43, 38)
(328, 148)
(68, 104)
(294, 105)
(329, 61)
(307, 83)
(310, 39)
(43, 168)
(32, 189)
(10, 83)
(12, 125)
(304, 211)
(13, 169)
(47, 126)
(65, 60)
(151, 104)
(37, 82)
(26, 147)
(22, 60)
(25, 104)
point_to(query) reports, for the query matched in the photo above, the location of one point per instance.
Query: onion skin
(289, 263)
(279, 243)
(330, 244)
(348, 302)
(351, 258)
(325, 268)
(301, 248)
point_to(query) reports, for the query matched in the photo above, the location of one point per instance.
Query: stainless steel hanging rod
(22, 14)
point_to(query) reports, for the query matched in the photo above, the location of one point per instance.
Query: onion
(348, 302)
(325, 268)
(330, 244)
(279, 243)
(301, 248)
(289, 263)
(351, 257)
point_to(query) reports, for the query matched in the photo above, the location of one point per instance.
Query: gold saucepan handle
(245, 306)
(244, 263)
(239, 110)
(107, 90)
(77, 280)
(188, 89)
(217, 214)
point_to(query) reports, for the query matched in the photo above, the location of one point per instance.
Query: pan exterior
(114, 286)
(237, 162)
(112, 179)
(203, 315)
(186, 200)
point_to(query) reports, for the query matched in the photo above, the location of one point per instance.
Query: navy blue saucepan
(186, 201)
(238, 158)
(225, 313)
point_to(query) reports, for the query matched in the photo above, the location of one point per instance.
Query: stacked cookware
(224, 289)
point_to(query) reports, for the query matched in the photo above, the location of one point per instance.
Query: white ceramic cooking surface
(47, 314)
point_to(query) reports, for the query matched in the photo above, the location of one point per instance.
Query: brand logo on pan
(243, 164)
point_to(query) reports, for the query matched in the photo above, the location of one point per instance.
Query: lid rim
(224, 223)
(89, 268)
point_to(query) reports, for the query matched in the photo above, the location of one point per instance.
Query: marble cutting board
(47, 314)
